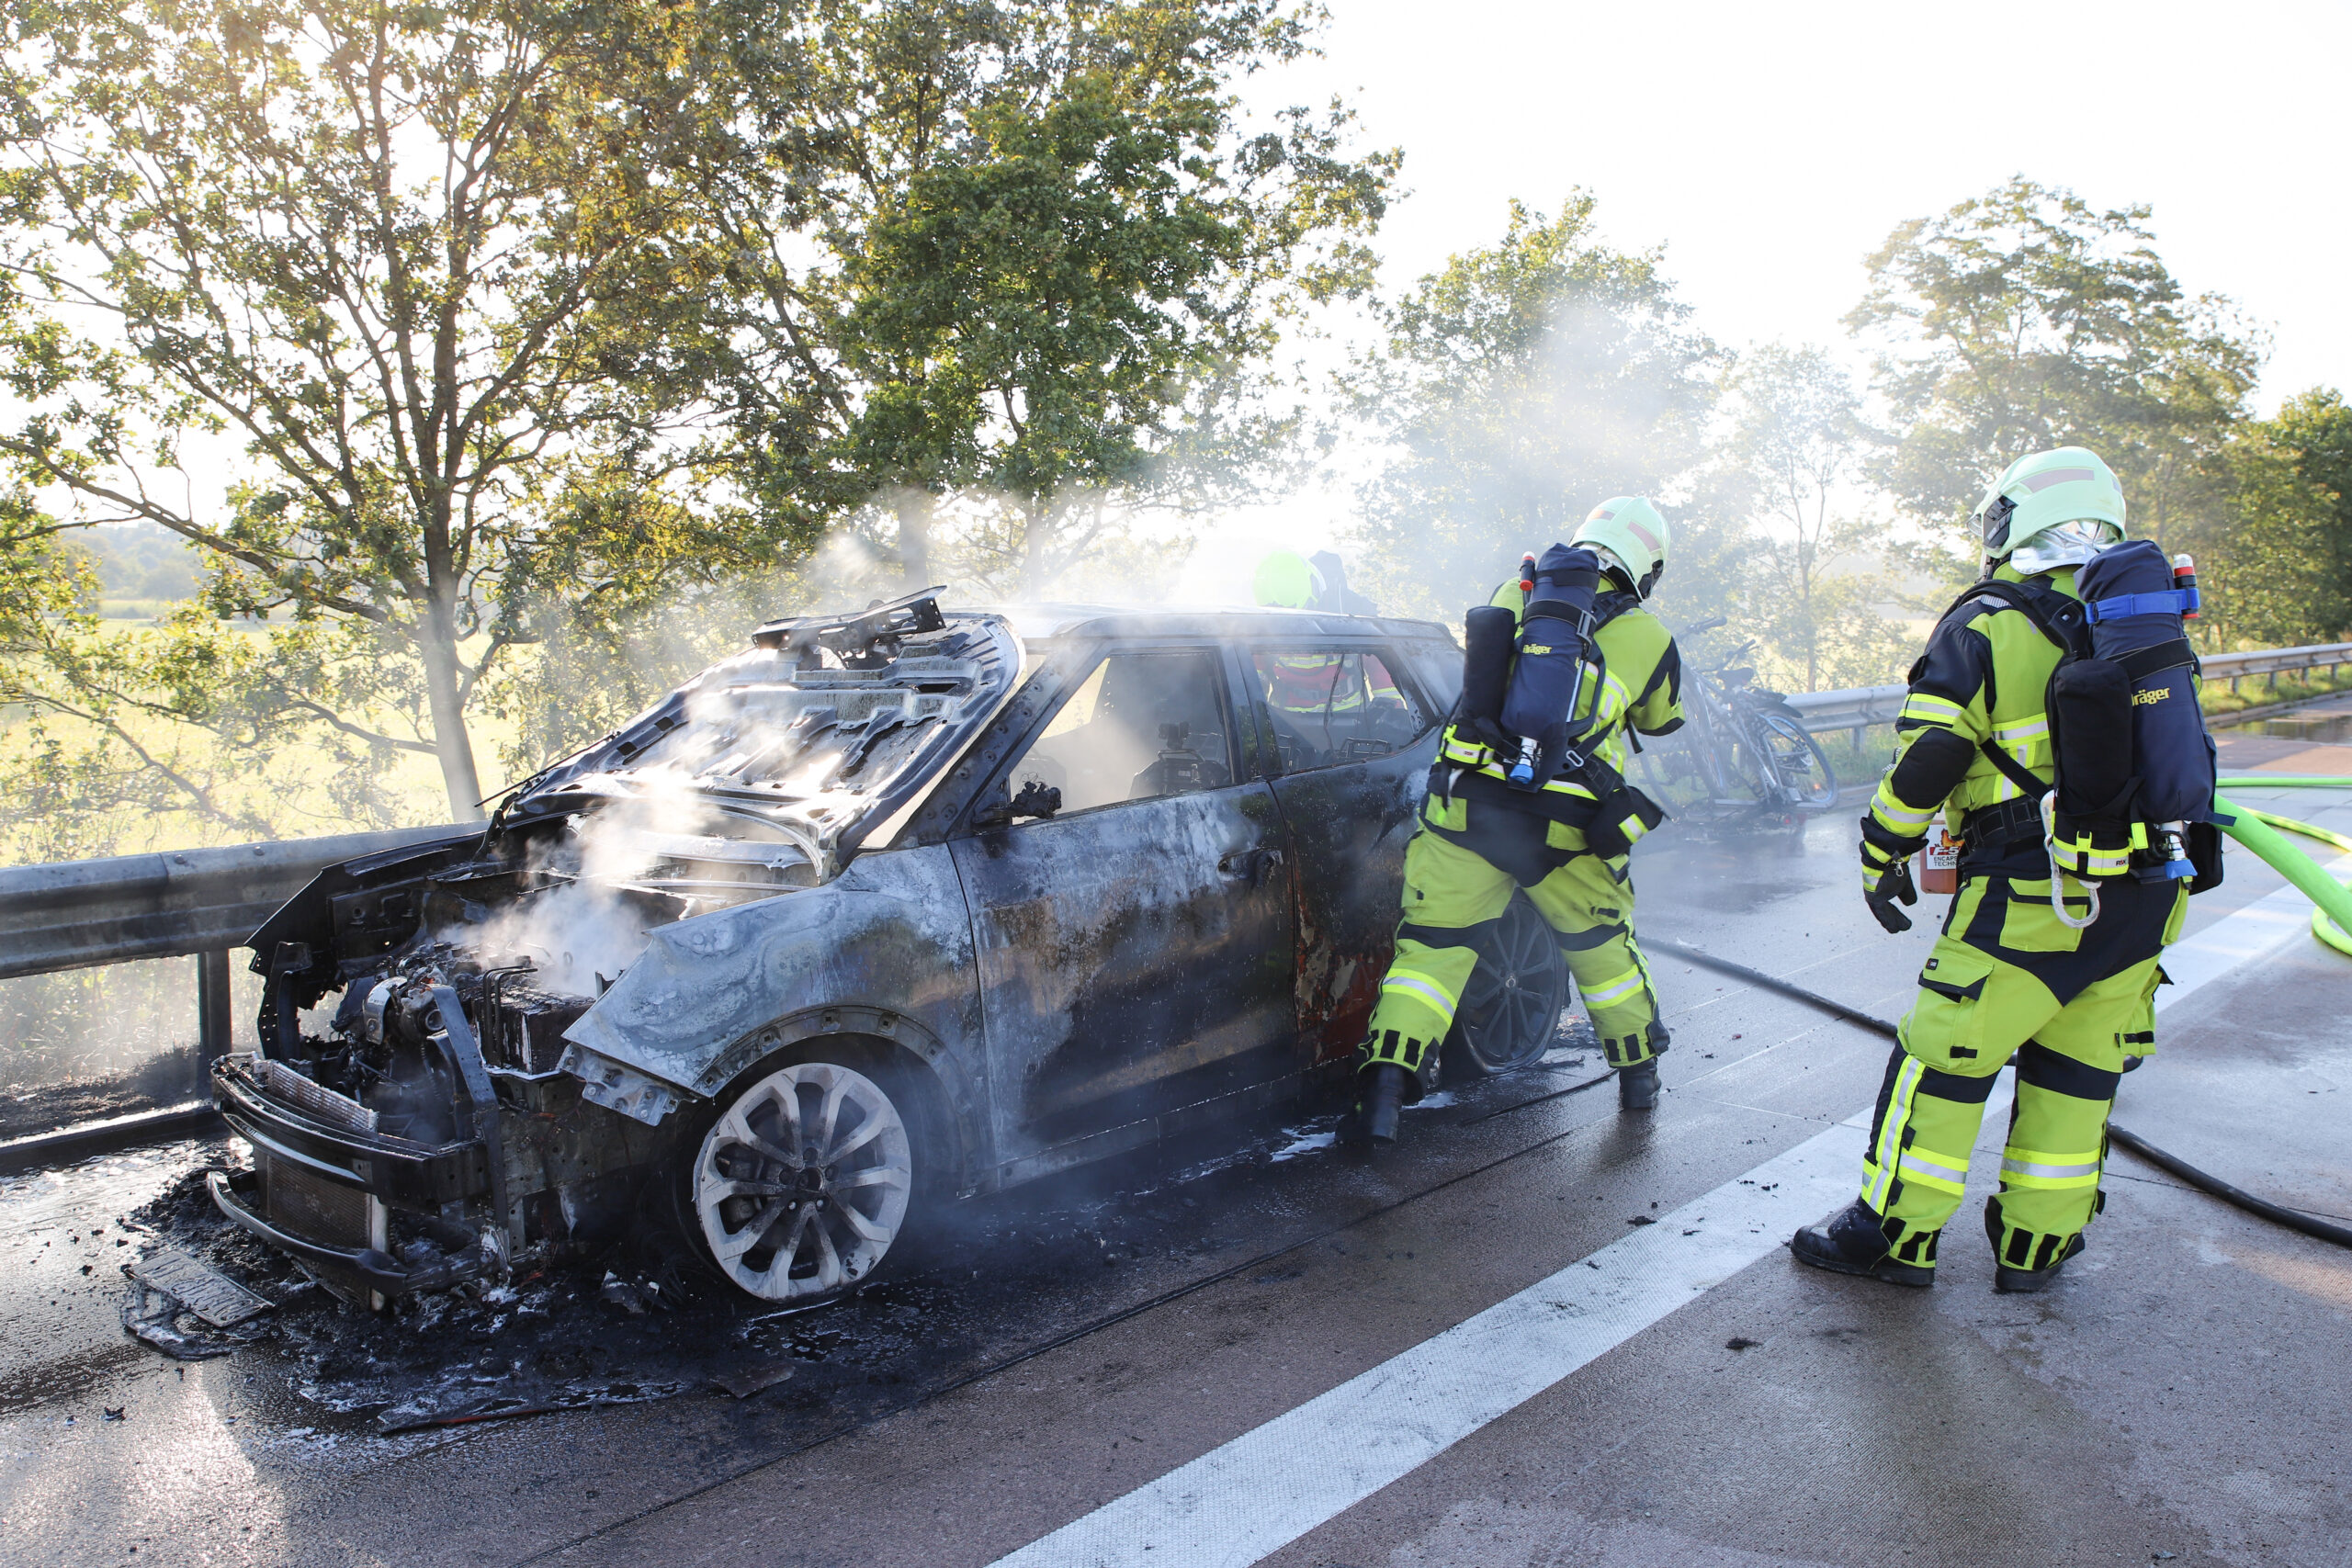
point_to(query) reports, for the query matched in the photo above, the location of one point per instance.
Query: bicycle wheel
(1799, 769)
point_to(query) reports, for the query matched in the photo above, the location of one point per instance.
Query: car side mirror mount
(1035, 799)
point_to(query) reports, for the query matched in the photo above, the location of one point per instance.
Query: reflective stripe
(1902, 819)
(1880, 1168)
(2049, 1173)
(1956, 1169)
(1927, 1171)
(2034, 729)
(2039, 482)
(1931, 708)
(1426, 992)
(1614, 987)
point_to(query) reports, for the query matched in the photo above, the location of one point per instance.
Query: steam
(582, 934)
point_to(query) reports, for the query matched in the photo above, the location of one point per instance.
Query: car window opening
(1139, 726)
(1330, 708)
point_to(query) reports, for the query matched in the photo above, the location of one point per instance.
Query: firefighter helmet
(2051, 508)
(1633, 538)
(1288, 581)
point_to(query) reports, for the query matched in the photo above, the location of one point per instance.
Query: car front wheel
(802, 1183)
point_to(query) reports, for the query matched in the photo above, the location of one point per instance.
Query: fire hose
(2331, 920)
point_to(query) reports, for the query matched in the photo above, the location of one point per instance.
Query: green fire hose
(2332, 920)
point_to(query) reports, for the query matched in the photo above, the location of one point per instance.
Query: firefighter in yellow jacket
(1479, 840)
(2069, 998)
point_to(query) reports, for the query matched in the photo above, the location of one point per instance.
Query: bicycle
(1743, 754)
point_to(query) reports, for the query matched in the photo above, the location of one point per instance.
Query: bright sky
(1769, 149)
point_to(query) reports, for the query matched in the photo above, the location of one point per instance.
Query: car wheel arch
(852, 1030)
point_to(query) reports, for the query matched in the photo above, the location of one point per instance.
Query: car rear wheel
(1510, 1009)
(803, 1183)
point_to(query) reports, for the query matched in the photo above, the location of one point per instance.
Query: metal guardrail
(1861, 706)
(187, 903)
(79, 914)
(1855, 708)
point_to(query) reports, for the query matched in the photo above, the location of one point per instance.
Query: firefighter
(1479, 840)
(1314, 685)
(2009, 978)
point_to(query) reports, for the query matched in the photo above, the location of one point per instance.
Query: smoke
(581, 934)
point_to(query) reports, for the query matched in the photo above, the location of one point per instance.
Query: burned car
(889, 909)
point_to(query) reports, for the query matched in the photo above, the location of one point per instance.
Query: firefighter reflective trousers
(1455, 892)
(2008, 979)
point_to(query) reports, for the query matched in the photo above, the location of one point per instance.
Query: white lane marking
(1263, 1490)
(2241, 937)
(1268, 1487)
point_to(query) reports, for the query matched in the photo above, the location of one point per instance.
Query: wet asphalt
(2180, 1392)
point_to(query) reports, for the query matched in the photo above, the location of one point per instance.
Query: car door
(1134, 940)
(1353, 737)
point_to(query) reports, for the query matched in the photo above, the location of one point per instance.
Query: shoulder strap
(2053, 614)
(1612, 605)
(2050, 613)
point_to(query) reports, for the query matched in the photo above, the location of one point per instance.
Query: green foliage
(1517, 387)
(2024, 318)
(140, 561)
(2283, 572)
(426, 271)
(1786, 470)
(1054, 261)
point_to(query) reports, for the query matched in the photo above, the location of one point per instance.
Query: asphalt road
(1078, 1342)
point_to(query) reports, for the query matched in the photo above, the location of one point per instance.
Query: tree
(1786, 467)
(1518, 387)
(2024, 318)
(2282, 571)
(426, 276)
(1054, 259)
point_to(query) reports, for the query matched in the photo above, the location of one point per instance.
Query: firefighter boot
(1637, 1085)
(1380, 1096)
(1852, 1241)
(2007, 1278)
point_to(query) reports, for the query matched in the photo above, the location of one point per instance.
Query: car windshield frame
(930, 679)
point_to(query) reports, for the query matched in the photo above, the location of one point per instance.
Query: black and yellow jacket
(1641, 689)
(1980, 683)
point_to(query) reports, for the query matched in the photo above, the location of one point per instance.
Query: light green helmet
(2050, 509)
(1630, 529)
(1287, 580)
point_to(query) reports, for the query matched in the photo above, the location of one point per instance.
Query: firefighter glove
(1887, 881)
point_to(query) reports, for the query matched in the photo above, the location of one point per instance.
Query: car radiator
(301, 1200)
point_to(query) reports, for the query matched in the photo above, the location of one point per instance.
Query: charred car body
(886, 911)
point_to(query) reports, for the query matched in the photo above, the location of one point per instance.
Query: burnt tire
(810, 1175)
(1511, 1008)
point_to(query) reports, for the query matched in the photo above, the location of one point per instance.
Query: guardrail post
(213, 1027)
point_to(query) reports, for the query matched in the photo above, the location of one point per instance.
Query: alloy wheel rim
(802, 1183)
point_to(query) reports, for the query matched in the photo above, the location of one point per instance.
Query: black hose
(2293, 1219)
(1758, 978)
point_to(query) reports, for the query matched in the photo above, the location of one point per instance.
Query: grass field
(295, 795)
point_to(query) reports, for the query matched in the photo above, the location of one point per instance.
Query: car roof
(1043, 623)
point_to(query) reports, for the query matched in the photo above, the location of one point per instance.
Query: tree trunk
(451, 743)
(914, 508)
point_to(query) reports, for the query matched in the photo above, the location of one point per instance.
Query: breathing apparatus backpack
(1522, 680)
(2132, 793)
